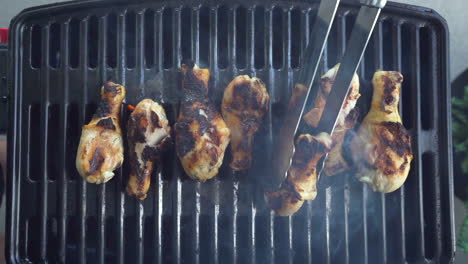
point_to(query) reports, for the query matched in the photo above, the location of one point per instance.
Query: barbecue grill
(59, 56)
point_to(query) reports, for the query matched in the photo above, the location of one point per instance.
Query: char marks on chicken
(245, 102)
(147, 133)
(201, 134)
(100, 150)
(382, 147)
(300, 184)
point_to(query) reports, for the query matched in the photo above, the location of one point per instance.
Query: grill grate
(61, 59)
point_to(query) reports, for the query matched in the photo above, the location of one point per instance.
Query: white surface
(454, 11)
(10, 8)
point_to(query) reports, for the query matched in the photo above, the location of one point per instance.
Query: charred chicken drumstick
(100, 150)
(147, 132)
(245, 102)
(200, 132)
(382, 147)
(335, 162)
(300, 184)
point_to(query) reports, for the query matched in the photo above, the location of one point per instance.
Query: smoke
(345, 219)
(163, 87)
(153, 88)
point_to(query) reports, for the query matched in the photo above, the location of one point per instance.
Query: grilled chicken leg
(300, 185)
(148, 130)
(245, 102)
(100, 150)
(200, 132)
(335, 162)
(382, 147)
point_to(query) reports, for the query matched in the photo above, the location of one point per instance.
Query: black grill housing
(60, 55)
(3, 88)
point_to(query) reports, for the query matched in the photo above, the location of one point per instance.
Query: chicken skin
(201, 134)
(300, 184)
(245, 102)
(335, 162)
(100, 150)
(382, 147)
(147, 132)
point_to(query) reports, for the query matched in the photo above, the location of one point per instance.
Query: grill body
(3, 88)
(61, 54)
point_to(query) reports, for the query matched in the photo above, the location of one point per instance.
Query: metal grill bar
(158, 25)
(286, 65)
(83, 187)
(176, 59)
(121, 70)
(251, 211)
(233, 33)
(341, 48)
(44, 127)
(305, 26)
(140, 232)
(327, 224)
(159, 192)
(63, 181)
(438, 204)
(23, 165)
(177, 210)
(417, 168)
(213, 58)
(140, 72)
(27, 147)
(397, 65)
(340, 201)
(286, 54)
(364, 220)
(102, 62)
(195, 23)
(158, 230)
(341, 32)
(308, 256)
(379, 64)
(270, 255)
(346, 221)
(250, 38)
(196, 57)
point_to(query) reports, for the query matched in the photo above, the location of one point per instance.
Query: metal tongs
(360, 35)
